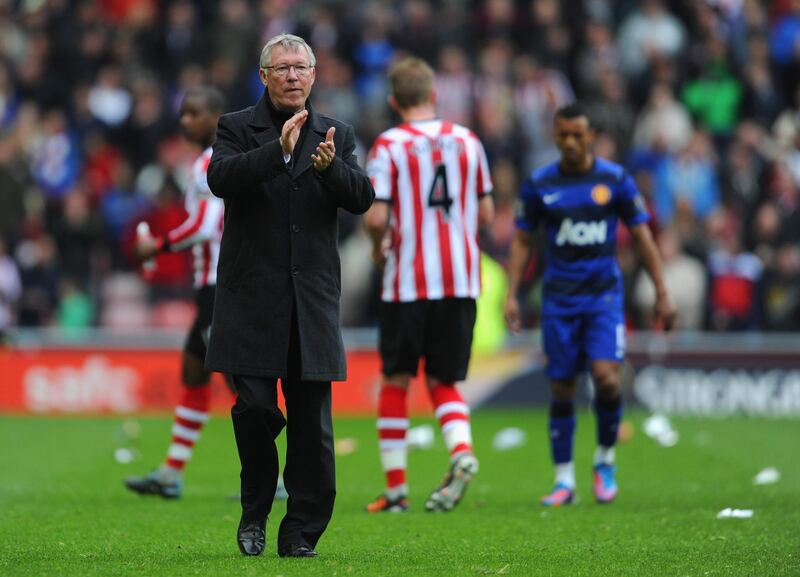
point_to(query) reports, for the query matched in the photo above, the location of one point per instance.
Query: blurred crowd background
(700, 99)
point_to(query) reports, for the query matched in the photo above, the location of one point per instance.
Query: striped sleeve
(201, 226)
(484, 181)
(381, 171)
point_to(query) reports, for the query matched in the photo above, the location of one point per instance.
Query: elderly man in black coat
(284, 171)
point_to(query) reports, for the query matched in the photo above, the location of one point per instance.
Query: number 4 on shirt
(439, 195)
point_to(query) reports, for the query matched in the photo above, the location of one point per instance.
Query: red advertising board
(67, 381)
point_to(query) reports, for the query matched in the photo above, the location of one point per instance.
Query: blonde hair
(288, 42)
(412, 82)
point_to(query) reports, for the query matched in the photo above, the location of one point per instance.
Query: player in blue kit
(578, 201)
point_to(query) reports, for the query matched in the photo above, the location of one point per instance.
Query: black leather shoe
(251, 538)
(297, 550)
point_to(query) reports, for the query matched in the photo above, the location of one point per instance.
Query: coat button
(295, 271)
(295, 228)
(295, 187)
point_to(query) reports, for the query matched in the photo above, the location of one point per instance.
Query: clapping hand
(326, 151)
(291, 131)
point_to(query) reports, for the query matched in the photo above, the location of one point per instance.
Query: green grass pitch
(64, 511)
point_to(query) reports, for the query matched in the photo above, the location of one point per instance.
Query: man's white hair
(288, 42)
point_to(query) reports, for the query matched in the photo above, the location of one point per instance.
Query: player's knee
(193, 377)
(607, 385)
(606, 377)
(400, 380)
(563, 391)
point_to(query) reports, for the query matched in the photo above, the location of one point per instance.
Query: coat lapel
(261, 122)
(264, 135)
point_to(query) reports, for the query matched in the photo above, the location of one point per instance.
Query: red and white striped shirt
(433, 173)
(202, 231)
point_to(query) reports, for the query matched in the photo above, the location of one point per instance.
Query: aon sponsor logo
(581, 233)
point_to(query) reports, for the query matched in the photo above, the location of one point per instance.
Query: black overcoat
(279, 244)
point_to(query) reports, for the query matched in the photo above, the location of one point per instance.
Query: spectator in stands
(598, 57)
(714, 96)
(784, 41)
(663, 124)
(611, 113)
(10, 291)
(538, 93)
(687, 178)
(14, 181)
(56, 162)
(772, 238)
(455, 85)
(685, 278)
(651, 33)
(763, 97)
(735, 279)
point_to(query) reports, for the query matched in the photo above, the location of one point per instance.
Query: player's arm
(648, 254)
(485, 211)
(197, 228)
(376, 221)
(528, 212)
(518, 256)
(383, 175)
(485, 186)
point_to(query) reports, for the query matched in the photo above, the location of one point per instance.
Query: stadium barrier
(108, 372)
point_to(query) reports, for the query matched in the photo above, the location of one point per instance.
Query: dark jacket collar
(261, 118)
(264, 130)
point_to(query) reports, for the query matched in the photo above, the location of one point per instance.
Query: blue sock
(609, 414)
(562, 430)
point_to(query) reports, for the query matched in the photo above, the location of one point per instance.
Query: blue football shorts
(570, 341)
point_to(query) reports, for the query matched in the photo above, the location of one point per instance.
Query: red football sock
(190, 416)
(392, 427)
(453, 416)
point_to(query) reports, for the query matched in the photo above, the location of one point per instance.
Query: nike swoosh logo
(551, 198)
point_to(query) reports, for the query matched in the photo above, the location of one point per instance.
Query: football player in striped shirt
(432, 193)
(200, 233)
(578, 201)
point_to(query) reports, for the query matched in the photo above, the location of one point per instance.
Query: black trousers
(309, 473)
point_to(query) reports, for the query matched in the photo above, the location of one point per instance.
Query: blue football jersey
(579, 213)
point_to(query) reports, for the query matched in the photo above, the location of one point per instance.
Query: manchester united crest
(601, 194)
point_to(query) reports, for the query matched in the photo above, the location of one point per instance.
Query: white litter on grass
(132, 429)
(659, 427)
(509, 438)
(420, 437)
(729, 513)
(767, 476)
(344, 447)
(124, 455)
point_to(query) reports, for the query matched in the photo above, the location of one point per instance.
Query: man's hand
(146, 248)
(381, 251)
(511, 313)
(326, 151)
(291, 131)
(664, 312)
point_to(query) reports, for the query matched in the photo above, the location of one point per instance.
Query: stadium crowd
(700, 99)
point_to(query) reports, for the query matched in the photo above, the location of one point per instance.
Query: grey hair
(288, 42)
